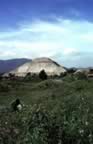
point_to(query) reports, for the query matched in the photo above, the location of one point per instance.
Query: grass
(54, 112)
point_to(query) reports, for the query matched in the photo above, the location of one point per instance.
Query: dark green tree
(28, 76)
(43, 75)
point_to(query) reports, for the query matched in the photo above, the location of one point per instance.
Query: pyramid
(36, 65)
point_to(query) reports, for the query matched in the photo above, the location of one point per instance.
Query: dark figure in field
(16, 105)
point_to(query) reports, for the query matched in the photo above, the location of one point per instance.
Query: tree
(1, 76)
(11, 76)
(43, 75)
(81, 75)
(28, 76)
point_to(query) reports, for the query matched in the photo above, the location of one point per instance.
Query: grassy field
(55, 111)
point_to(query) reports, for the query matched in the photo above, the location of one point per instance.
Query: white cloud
(7, 54)
(87, 37)
(62, 39)
(32, 49)
(41, 26)
(71, 52)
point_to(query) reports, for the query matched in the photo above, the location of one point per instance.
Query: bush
(69, 78)
(43, 127)
(38, 125)
(63, 75)
(43, 75)
(80, 75)
(4, 87)
(28, 77)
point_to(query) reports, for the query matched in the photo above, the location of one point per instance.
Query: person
(16, 105)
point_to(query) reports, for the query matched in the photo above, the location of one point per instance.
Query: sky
(59, 29)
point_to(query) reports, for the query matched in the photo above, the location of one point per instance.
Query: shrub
(80, 75)
(63, 74)
(43, 127)
(1, 77)
(4, 87)
(28, 77)
(38, 125)
(69, 78)
(43, 75)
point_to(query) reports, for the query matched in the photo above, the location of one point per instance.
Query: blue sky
(59, 29)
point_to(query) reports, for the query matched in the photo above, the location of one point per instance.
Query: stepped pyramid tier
(36, 65)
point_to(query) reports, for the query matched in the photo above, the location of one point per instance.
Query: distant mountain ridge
(8, 65)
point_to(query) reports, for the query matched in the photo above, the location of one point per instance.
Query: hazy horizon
(60, 63)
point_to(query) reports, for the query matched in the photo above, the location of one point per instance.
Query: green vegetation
(81, 75)
(55, 111)
(42, 75)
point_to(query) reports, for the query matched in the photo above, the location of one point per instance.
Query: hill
(8, 65)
